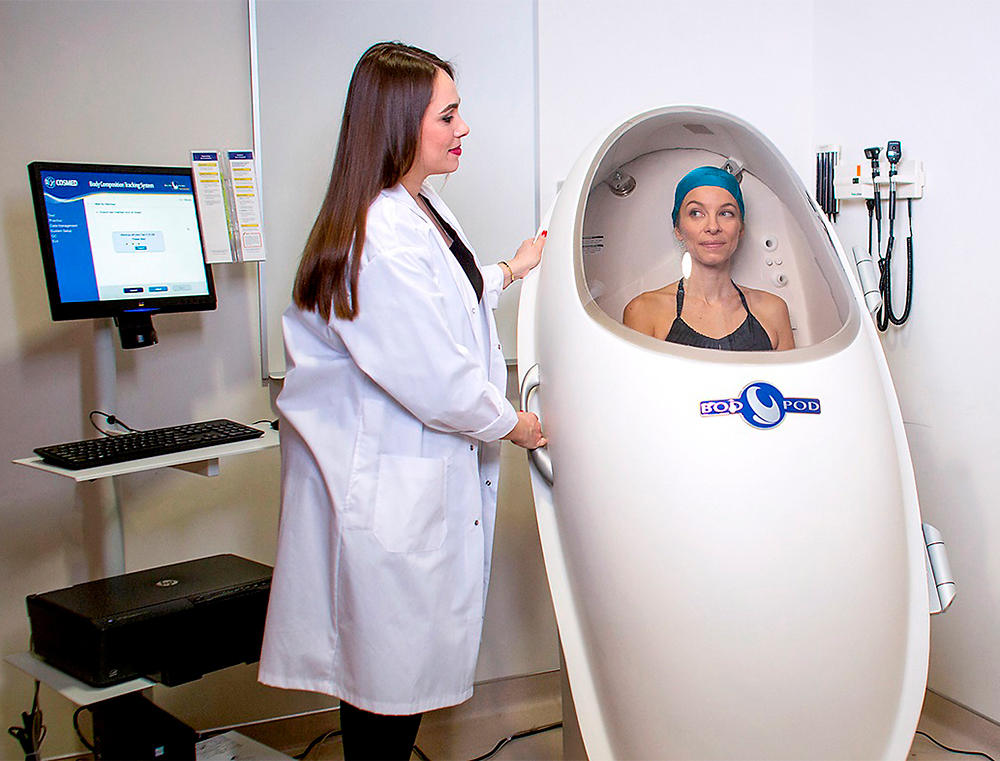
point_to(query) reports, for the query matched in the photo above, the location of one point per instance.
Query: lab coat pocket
(409, 503)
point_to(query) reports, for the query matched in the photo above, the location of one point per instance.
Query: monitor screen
(119, 239)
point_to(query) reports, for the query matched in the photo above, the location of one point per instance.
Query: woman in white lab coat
(392, 412)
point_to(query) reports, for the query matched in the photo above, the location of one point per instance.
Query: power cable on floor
(321, 739)
(518, 736)
(954, 750)
(423, 757)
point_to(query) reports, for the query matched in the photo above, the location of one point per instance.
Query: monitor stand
(135, 329)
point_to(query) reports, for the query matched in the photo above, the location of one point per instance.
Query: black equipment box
(172, 624)
(131, 728)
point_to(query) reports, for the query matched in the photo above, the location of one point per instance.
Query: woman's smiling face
(709, 224)
(441, 130)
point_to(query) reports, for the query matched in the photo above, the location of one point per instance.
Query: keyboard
(90, 453)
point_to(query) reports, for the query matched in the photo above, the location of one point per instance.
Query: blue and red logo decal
(761, 405)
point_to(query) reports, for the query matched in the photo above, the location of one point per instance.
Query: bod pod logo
(761, 405)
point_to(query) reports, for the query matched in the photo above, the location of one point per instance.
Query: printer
(172, 624)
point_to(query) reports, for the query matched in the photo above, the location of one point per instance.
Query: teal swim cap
(707, 175)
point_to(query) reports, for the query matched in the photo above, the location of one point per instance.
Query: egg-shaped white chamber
(725, 586)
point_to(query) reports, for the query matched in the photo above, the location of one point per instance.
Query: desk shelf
(71, 688)
(203, 461)
(229, 746)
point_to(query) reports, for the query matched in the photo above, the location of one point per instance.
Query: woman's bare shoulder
(655, 297)
(649, 308)
(765, 301)
(652, 300)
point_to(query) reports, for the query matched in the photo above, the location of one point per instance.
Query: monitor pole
(103, 532)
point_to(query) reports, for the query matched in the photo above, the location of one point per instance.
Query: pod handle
(939, 574)
(540, 457)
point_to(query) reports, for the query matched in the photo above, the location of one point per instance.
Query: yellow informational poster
(213, 211)
(246, 203)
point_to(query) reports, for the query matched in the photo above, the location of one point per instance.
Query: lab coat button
(477, 523)
(473, 310)
(472, 447)
(488, 483)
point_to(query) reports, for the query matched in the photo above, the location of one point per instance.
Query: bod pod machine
(732, 539)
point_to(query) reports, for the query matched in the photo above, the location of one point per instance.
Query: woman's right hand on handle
(527, 432)
(528, 255)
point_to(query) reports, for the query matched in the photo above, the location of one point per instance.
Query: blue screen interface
(124, 235)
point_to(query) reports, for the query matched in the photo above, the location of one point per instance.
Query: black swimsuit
(750, 336)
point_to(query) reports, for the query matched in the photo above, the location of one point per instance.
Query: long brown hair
(388, 95)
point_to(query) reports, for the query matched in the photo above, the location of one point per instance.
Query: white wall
(937, 96)
(307, 53)
(600, 62)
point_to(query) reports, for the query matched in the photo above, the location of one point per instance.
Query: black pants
(375, 736)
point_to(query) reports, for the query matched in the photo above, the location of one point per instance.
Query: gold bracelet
(509, 270)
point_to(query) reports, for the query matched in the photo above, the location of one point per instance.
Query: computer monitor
(122, 242)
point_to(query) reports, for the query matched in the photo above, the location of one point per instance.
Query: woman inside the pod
(706, 308)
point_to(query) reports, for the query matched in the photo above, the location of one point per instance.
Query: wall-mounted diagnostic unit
(865, 181)
(854, 180)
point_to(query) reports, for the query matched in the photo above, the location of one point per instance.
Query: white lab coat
(390, 428)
